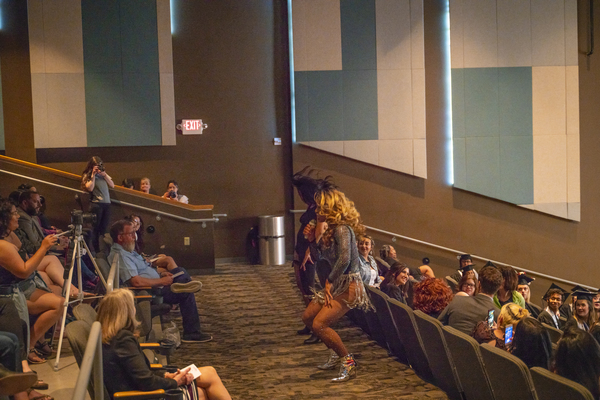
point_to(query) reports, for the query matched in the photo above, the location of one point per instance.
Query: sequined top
(342, 253)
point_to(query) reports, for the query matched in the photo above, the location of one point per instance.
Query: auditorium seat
(469, 364)
(411, 341)
(509, 376)
(390, 330)
(440, 359)
(552, 386)
(375, 329)
(555, 334)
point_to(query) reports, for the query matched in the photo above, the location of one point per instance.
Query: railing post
(91, 357)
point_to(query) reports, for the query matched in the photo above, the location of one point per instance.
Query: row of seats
(456, 363)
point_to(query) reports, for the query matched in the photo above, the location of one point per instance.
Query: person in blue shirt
(137, 272)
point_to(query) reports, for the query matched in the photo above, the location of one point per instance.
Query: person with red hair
(431, 296)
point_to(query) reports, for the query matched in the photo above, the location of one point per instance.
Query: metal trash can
(271, 239)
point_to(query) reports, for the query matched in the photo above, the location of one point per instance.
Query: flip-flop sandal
(35, 358)
(43, 348)
(40, 397)
(40, 385)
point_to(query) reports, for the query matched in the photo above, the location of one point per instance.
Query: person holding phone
(96, 181)
(496, 334)
(127, 368)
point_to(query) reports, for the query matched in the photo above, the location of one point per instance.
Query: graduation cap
(576, 288)
(525, 280)
(490, 264)
(564, 293)
(584, 295)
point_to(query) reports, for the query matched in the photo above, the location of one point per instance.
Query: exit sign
(192, 126)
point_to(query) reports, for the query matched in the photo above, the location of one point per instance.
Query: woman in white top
(369, 271)
(172, 193)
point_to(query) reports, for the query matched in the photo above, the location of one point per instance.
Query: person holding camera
(95, 180)
(173, 193)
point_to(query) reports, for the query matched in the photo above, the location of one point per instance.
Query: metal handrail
(203, 220)
(458, 252)
(92, 358)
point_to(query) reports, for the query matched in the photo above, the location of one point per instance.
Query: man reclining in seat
(136, 272)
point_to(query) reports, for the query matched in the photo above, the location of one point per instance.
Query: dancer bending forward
(333, 241)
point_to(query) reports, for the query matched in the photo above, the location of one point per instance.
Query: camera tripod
(77, 238)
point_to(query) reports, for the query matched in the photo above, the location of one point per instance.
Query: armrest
(139, 395)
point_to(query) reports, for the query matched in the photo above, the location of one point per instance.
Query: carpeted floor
(253, 313)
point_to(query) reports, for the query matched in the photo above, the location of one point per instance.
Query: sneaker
(187, 287)
(332, 362)
(197, 337)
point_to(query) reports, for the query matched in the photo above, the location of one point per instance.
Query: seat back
(84, 312)
(555, 334)
(452, 283)
(440, 359)
(509, 376)
(77, 335)
(411, 340)
(104, 266)
(390, 331)
(469, 364)
(552, 386)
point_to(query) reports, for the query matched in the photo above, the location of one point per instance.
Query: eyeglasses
(469, 285)
(127, 233)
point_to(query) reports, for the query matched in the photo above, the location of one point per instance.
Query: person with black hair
(397, 285)
(95, 180)
(551, 314)
(465, 263)
(577, 358)
(304, 267)
(532, 344)
(172, 192)
(507, 293)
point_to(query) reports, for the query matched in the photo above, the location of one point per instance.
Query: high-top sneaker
(331, 363)
(347, 369)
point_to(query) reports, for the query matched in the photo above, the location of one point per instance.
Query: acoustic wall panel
(102, 73)
(368, 85)
(515, 102)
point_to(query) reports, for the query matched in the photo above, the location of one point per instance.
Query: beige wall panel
(480, 34)
(396, 155)
(514, 33)
(547, 32)
(394, 104)
(362, 150)
(167, 109)
(165, 46)
(418, 103)
(456, 27)
(417, 35)
(574, 211)
(40, 110)
(420, 158)
(393, 29)
(572, 92)
(323, 35)
(35, 15)
(335, 147)
(573, 168)
(66, 110)
(548, 100)
(549, 169)
(558, 209)
(63, 37)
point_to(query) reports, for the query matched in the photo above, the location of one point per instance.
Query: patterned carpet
(253, 313)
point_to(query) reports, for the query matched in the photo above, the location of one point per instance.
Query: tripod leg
(76, 254)
(95, 265)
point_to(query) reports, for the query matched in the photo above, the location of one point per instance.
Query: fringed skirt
(351, 284)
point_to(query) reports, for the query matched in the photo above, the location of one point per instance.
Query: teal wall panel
(515, 101)
(483, 172)
(360, 105)
(139, 38)
(459, 157)
(141, 110)
(516, 169)
(458, 103)
(325, 105)
(301, 100)
(101, 36)
(359, 42)
(481, 102)
(104, 109)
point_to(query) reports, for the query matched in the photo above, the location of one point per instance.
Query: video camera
(78, 217)
(172, 194)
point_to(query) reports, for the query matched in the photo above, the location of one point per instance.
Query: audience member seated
(30, 232)
(510, 314)
(585, 314)
(161, 262)
(126, 367)
(568, 308)
(464, 312)
(128, 183)
(47, 228)
(596, 302)
(465, 263)
(551, 314)
(40, 301)
(137, 272)
(397, 284)
(145, 185)
(369, 270)
(532, 344)
(523, 283)
(508, 291)
(172, 193)
(431, 296)
(577, 358)
(467, 286)
(389, 256)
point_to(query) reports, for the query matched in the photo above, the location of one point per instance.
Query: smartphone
(490, 318)
(508, 334)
